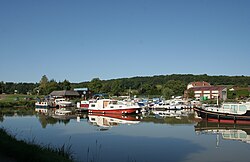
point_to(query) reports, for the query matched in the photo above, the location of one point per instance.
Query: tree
(190, 93)
(1, 87)
(177, 86)
(43, 85)
(116, 88)
(167, 92)
(44, 80)
(51, 86)
(96, 85)
(65, 85)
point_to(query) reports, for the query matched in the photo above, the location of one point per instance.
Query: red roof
(200, 84)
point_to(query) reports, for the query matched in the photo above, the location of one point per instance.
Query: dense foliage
(162, 85)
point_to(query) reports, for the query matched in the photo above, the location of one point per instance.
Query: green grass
(21, 150)
(17, 97)
(17, 100)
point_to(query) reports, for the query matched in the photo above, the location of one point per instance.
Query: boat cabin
(231, 108)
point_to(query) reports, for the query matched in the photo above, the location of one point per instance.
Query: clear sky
(79, 40)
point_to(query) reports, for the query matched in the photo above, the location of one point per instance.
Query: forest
(160, 85)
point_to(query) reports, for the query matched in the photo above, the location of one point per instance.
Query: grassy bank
(20, 150)
(17, 100)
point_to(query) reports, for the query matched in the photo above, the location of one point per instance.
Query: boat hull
(42, 106)
(223, 117)
(115, 111)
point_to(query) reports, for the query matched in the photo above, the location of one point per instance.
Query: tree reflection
(45, 120)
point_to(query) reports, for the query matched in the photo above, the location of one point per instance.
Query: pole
(218, 100)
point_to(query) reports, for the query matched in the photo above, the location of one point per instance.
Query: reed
(21, 150)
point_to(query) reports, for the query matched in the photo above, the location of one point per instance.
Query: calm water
(146, 138)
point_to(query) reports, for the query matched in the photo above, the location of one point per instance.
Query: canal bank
(12, 149)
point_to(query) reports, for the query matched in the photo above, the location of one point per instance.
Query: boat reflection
(105, 121)
(53, 118)
(227, 131)
(178, 114)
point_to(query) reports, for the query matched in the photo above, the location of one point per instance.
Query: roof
(208, 88)
(81, 89)
(64, 93)
(200, 84)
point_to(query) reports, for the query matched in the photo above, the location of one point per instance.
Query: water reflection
(145, 137)
(185, 116)
(105, 121)
(15, 112)
(226, 131)
(53, 119)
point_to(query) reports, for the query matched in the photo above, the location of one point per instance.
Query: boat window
(111, 106)
(226, 107)
(234, 108)
(243, 135)
(113, 102)
(234, 135)
(93, 105)
(242, 108)
(226, 135)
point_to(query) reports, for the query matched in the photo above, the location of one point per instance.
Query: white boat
(41, 107)
(113, 106)
(84, 104)
(61, 102)
(175, 104)
(227, 112)
(41, 104)
(62, 111)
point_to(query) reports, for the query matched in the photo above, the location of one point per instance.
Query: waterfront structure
(203, 91)
(65, 94)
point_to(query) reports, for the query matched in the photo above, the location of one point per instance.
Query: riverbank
(17, 100)
(20, 150)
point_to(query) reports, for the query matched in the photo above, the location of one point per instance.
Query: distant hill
(143, 85)
(152, 85)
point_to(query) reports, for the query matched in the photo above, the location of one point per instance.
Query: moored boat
(42, 105)
(84, 104)
(113, 106)
(228, 113)
(62, 103)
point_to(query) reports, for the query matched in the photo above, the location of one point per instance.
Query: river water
(172, 137)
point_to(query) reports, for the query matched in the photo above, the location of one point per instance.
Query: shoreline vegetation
(12, 149)
(17, 100)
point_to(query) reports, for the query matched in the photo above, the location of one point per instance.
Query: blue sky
(79, 40)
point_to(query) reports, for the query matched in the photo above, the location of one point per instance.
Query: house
(203, 90)
(65, 94)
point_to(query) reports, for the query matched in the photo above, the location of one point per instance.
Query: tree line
(162, 85)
